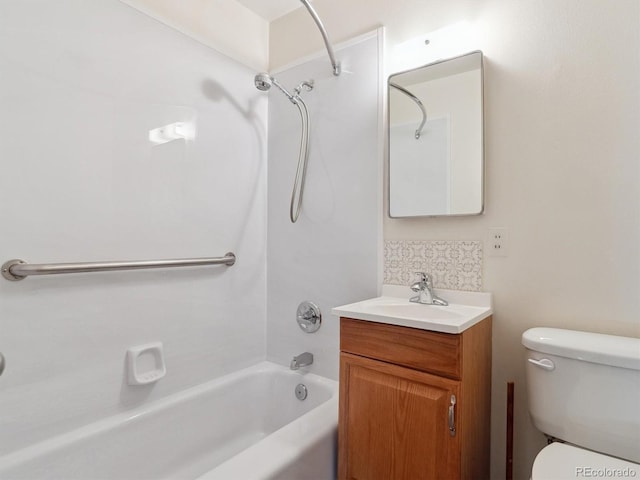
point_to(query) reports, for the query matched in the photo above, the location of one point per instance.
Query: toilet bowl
(560, 461)
(583, 392)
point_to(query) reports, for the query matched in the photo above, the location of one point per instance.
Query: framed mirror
(436, 147)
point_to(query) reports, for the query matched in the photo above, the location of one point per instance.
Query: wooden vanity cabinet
(414, 404)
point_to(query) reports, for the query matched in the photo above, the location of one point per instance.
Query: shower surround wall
(81, 86)
(331, 255)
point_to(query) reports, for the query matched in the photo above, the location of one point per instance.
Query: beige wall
(563, 174)
(225, 25)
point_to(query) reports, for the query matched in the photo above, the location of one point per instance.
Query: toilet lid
(560, 461)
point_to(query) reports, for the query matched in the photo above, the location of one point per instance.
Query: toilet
(584, 393)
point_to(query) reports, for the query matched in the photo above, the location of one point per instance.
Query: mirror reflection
(436, 139)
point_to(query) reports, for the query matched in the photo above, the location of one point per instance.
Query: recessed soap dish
(145, 364)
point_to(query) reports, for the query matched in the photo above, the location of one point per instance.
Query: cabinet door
(394, 423)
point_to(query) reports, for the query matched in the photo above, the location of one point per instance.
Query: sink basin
(394, 307)
(465, 309)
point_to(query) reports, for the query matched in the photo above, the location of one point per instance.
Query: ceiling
(271, 9)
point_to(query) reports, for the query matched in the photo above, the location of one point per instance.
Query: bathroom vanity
(415, 403)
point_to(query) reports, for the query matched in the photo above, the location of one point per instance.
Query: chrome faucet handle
(421, 284)
(425, 278)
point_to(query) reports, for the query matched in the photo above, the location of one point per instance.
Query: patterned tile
(454, 264)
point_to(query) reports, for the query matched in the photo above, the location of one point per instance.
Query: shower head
(263, 81)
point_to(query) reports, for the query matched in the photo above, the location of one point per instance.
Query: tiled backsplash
(454, 264)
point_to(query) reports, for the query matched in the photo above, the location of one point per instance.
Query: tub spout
(303, 360)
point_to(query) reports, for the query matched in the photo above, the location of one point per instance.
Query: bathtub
(246, 425)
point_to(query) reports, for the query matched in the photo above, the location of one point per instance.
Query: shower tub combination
(245, 425)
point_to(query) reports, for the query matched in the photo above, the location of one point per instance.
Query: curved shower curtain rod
(335, 64)
(418, 102)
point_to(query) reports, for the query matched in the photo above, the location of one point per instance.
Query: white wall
(226, 25)
(562, 115)
(331, 255)
(81, 85)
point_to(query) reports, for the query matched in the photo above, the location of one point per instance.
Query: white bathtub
(246, 425)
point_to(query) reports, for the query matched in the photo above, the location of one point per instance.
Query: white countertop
(465, 309)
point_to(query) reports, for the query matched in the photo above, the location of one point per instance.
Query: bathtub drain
(301, 391)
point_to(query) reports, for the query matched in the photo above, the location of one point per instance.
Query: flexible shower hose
(303, 157)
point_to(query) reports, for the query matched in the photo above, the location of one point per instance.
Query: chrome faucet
(424, 288)
(303, 360)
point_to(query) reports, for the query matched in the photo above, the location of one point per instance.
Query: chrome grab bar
(17, 269)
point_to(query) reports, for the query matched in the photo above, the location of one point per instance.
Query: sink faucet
(424, 288)
(303, 360)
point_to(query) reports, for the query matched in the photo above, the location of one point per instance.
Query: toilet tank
(584, 388)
